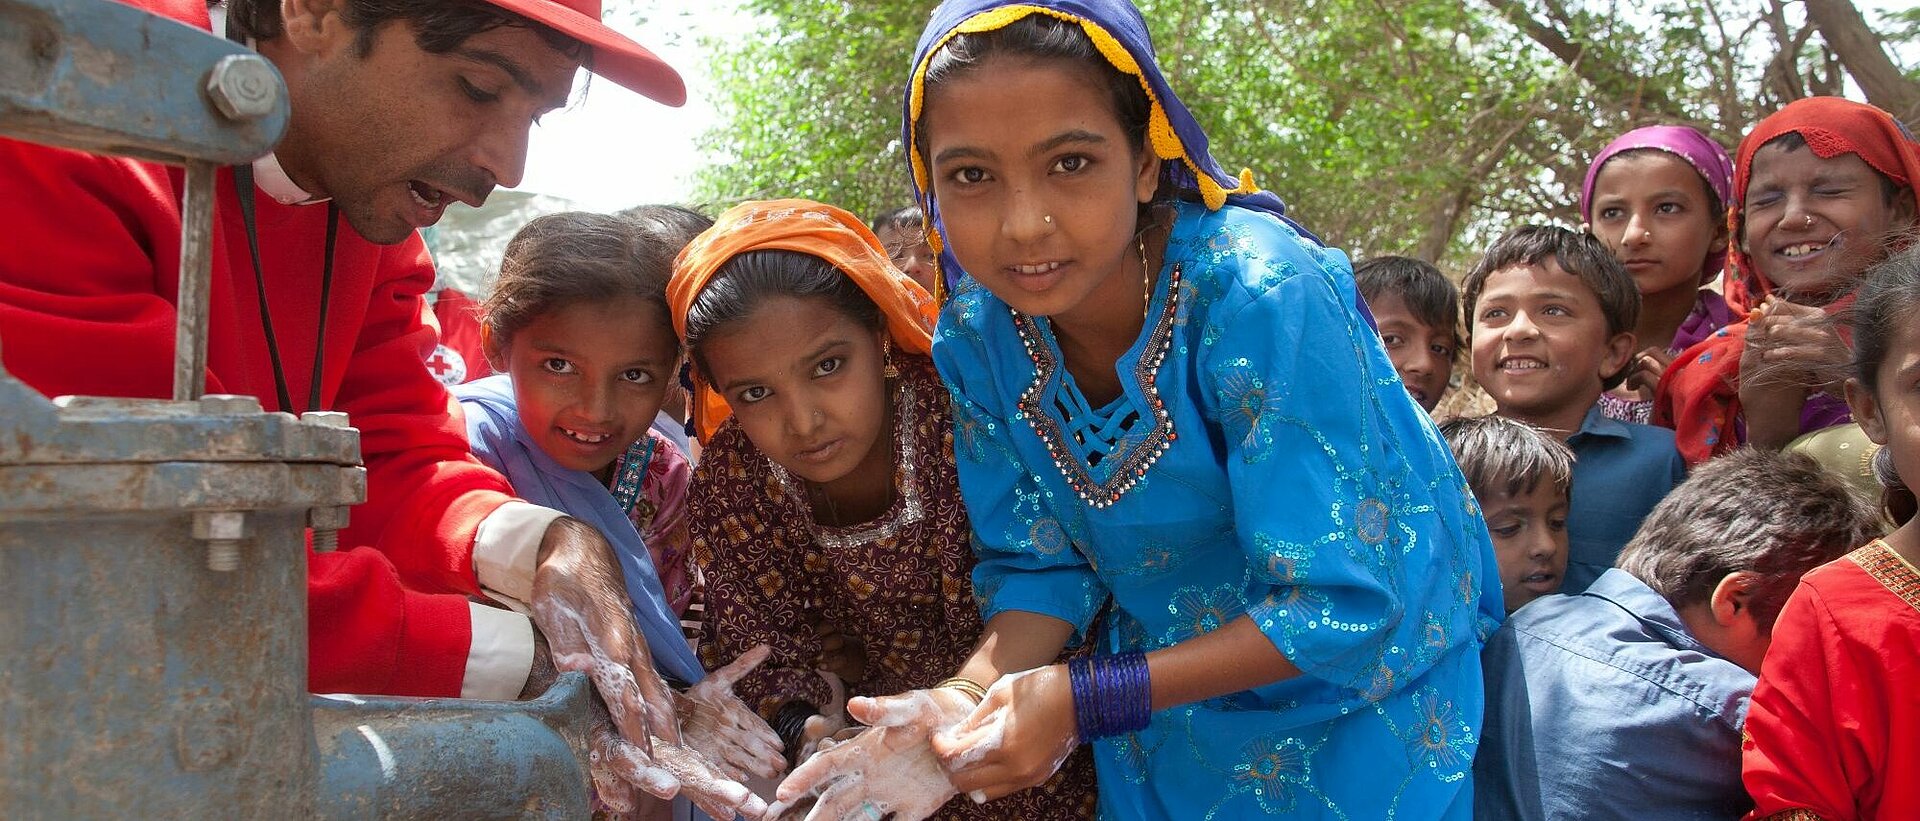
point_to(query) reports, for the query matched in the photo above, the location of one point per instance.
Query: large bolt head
(243, 86)
(326, 419)
(225, 404)
(219, 525)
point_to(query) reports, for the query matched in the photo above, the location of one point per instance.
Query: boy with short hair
(1417, 311)
(1520, 477)
(1627, 700)
(1552, 314)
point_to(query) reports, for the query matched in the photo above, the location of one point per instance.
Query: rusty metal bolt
(223, 404)
(222, 530)
(327, 523)
(243, 86)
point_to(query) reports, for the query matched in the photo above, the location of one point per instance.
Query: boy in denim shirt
(1552, 314)
(1626, 701)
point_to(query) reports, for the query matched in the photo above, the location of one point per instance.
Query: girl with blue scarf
(1180, 441)
(577, 326)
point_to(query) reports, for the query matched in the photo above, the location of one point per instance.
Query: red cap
(615, 57)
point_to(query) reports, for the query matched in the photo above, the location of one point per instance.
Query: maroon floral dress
(900, 584)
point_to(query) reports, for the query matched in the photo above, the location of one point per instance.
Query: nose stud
(1809, 218)
(1048, 218)
(1646, 236)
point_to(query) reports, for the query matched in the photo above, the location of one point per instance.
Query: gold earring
(886, 356)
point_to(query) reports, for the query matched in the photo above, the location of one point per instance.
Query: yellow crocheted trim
(1166, 143)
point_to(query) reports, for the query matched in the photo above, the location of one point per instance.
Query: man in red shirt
(399, 107)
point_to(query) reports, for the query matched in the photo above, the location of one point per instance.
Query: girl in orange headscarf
(826, 512)
(1822, 189)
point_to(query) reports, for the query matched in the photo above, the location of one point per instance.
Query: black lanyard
(243, 185)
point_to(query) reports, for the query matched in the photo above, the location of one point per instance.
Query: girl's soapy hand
(580, 605)
(1017, 738)
(719, 725)
(831, 725)
(889, 768)
(703, 783)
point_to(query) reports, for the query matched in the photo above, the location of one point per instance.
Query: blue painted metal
(153, 615)
(104, 77)
(423, 758)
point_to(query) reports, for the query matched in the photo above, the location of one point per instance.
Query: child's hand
(841, 653)
(1644, 372)
(715, 722)
(889, 768)
(1802, 342)
(1017, 738)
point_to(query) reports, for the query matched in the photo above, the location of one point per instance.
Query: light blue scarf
(498, 438)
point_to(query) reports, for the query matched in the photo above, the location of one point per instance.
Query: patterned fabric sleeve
(1799, 757)
(1343, 504)
(757, 592)
(1015, 570)
(665, 488)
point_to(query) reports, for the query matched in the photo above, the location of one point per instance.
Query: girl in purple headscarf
(1657, 197)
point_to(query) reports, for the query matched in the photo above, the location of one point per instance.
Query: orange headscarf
(1699, 396)
(810, 228)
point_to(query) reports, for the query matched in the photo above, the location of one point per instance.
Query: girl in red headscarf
(1823, 189)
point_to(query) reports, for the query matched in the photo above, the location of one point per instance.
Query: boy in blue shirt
(1417, 312)
(1552, 314)
(1627, 701)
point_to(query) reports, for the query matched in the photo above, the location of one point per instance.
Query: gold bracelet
(965, 685)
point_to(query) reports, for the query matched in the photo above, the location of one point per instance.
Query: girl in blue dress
(1179, 440)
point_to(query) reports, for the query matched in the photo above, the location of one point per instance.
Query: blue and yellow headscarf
(1120, 34)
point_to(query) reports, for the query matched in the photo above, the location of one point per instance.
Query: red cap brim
(615, 56)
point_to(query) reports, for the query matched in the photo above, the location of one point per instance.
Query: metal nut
(326, 419)
(227, 403)
(243, 86)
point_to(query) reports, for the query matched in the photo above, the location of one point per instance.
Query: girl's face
(1890, 415)
(806, 382)
(589, 377)
(1039, 186)
(1653, 211)
(1812, 223)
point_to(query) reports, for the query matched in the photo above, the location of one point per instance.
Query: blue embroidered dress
(1270, 465)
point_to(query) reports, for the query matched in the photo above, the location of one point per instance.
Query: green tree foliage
(1412, 126)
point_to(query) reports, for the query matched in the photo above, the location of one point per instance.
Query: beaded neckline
(906, 512)
(633, 470)
(1132, 466)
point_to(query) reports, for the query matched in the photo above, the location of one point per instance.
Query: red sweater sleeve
(368, 634)
(426, 493)
(88, 278)
(80, 265)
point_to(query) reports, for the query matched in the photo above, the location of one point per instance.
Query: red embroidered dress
(1831, 732)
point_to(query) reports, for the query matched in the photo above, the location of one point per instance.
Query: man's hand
(580, 605)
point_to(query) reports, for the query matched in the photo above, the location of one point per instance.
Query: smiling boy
(1552, 314)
